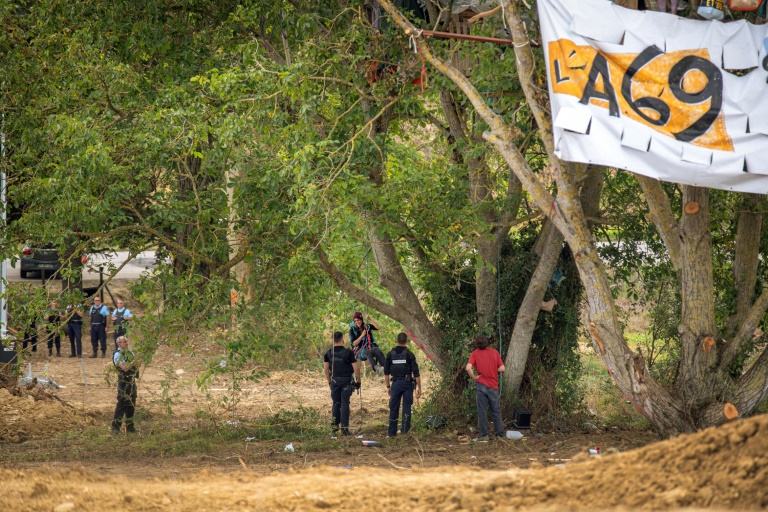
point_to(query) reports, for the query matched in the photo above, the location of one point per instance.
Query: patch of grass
(604, 400)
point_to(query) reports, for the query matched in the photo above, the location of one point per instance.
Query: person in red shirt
(484, 367)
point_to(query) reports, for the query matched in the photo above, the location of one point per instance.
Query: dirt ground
(60, 456)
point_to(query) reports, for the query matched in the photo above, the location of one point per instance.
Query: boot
(73, 355)
(50, 352)
(95, 355)
(58, 353)
(103, 354)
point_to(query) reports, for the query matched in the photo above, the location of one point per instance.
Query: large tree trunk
(525, 324)
(548, 246)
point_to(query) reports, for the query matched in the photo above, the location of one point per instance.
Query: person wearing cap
(363, 342)
(488, 364)
(99, 316)
(127, 372)
(120, 317)
(403, 369)
(339, 364)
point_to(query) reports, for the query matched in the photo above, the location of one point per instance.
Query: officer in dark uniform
(127, 373)
(52, 326)
(75, 330)
(99, 316)
(401, 365)
(338, 365)
(30, 336)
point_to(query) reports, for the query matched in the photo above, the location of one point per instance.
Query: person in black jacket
(402, 367)
(339, 364)
(363, 342)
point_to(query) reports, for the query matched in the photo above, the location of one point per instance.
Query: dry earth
(59, 457)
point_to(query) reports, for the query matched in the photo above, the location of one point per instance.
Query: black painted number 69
(713, 91)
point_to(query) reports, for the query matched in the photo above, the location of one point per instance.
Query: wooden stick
(484, 14)
(451, 35)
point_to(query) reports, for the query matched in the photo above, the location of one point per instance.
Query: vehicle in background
(39, 259)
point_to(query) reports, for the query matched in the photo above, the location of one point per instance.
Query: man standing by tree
(487, 361)
(99, 315)
(338, 365)
(402, 366)
(127, 372)
(363, 343)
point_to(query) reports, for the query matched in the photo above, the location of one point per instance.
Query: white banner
(671, 98)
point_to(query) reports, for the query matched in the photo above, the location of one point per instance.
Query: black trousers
(99, 334)
(375, 357)
(402, 389)
(30, 339)
(54, 338)
(75, 332)
(341, 392)
(126, 400)
(119, 331)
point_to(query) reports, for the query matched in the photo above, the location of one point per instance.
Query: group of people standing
(99, 316)
(399, 367)
(402, 377)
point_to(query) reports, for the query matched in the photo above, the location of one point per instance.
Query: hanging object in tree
(744, 5)
(549, 305)
(556, 279)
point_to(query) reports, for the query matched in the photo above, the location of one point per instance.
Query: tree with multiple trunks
(705, 392)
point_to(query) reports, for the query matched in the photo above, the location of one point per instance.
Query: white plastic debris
(223, 363)
(247, 439)
(289, 448)
(514, 434)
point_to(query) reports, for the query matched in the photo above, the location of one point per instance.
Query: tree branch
(746, 330)
(353, 291)
(663, 218)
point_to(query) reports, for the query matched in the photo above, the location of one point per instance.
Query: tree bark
(662, 217)
(698, 311)
(748, 232)
(548, 246)
(527, 315)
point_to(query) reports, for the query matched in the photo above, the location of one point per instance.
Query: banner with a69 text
(675, 99)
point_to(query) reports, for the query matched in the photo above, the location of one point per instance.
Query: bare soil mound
(723, 468)
(34, 415)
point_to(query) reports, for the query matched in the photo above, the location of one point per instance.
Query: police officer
(401, 365)
(30, 336)
(338, 365)
(127, 371)
(99, 315)
(52, 326)
(120, 317)
(74, 317)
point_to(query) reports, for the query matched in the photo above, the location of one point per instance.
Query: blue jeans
(400, 389)
(487, 397)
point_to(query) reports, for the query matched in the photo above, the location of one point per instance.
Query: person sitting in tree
(363, 343)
